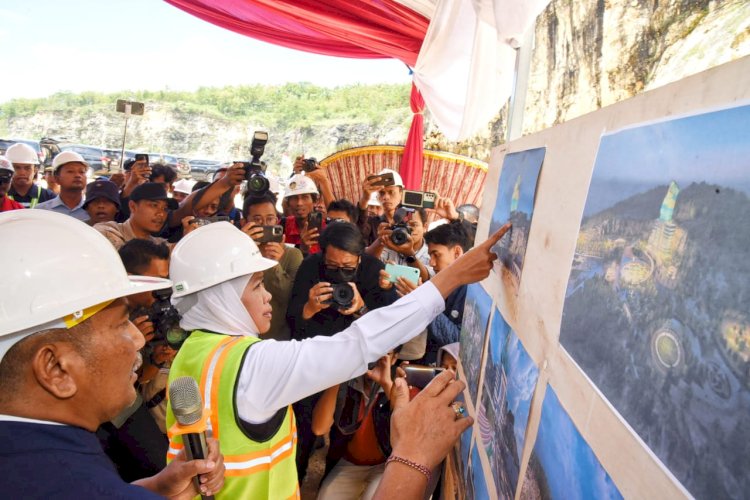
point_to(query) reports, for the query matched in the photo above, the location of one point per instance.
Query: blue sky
(111, 45)
(570, 466)
(711, 147)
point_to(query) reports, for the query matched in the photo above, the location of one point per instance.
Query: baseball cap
(67, 157)
(149, 191)
(101, 188)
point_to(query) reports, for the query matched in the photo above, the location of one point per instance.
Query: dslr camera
(400, 230)
(342, 296)
(255, 170)
(310, 164)
(166, 320)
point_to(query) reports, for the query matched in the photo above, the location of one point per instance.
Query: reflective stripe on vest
(33, 201)
(253, 470)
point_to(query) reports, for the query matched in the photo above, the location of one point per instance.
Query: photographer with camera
(134, 440)
(303, 226)
(332, 289)
(262, 226)
(358, 416)
(402, 243)
(312, 170)
(389, 187)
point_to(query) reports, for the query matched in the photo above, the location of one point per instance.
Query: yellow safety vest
(253, 469)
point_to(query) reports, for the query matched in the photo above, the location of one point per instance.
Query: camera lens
(176, 336)
(343, 295)
(258, 184)
(399, 236)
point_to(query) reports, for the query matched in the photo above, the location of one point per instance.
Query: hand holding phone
(395, 272)
(419, 376)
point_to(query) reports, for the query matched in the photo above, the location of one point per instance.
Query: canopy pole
(520, 86)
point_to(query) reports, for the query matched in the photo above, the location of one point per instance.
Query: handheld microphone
(187, 407)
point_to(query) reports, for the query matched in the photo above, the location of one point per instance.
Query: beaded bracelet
(421, 468)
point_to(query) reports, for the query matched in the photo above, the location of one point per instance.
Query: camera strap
(349, 429)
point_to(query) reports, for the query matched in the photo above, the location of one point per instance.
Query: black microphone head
(185, 400)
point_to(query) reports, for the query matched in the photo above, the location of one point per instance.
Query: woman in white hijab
(248, 385)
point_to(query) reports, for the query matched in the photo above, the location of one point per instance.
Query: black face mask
(340, 275)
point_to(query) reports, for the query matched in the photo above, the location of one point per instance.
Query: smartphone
(141, 156)
(419, 376)
(419, 199)
(272, 234)
(406, 272)
(385, 179)
(202, 221)
(315, 220)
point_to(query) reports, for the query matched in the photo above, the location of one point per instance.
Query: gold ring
(458, 409)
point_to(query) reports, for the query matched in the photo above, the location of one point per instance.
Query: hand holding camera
(348, 301)
(235, 175)
(146, 327)
(445, 209)
(318, 299)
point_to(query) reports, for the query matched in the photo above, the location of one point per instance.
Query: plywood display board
(610, 356)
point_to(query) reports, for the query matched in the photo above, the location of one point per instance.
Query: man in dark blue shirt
(68, 361)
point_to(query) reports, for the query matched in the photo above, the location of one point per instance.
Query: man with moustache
(148, 213)
(70, 172)
(68, 360)
(26, 164)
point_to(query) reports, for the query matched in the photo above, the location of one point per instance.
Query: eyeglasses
(5, 179)
(337, 268)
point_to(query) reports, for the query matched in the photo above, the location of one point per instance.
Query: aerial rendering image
(510, 377)
(656, 308)
(562, 465)
(515, 203)
(477, 310)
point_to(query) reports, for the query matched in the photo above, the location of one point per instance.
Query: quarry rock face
(587, 54)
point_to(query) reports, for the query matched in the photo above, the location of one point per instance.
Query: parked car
(182, 168)
(201, 169)
(6, 143)
(94, 156)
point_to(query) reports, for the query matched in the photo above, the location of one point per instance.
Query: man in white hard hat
(250, 384)
(24, 190)
(302, 228)
(68, 360)
(182, 189)
(6, 176)
(389, 196)
(70, 173)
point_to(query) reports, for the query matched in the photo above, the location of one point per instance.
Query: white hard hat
(374, 199)
(67, 157)
(212, 254)
(41, 288)
(397, 180)
(300, 184)
(22, 153)
(5, 164)
(184, 186)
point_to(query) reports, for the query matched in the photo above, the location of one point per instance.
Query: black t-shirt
(329, 321)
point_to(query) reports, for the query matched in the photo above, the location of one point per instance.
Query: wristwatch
(410, 259)
(361, 311)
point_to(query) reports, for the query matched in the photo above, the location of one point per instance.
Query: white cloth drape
(465, 68)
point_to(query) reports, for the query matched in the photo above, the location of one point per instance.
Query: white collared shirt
(276, 374)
